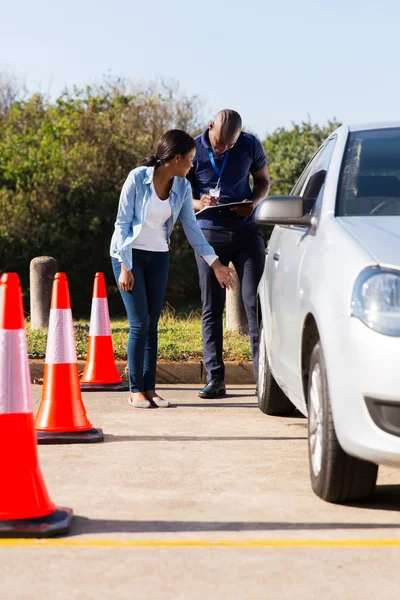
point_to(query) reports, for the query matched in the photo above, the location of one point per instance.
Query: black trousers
(246, 250)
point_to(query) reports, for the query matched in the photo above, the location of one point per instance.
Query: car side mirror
(282, 210)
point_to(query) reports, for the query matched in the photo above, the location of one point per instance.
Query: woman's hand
(125, 279)
(224, 275)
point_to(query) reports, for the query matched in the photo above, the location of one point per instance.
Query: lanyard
(218, 171)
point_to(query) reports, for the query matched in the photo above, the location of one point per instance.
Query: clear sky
(274, 62)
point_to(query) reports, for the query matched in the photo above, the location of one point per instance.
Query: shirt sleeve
(259, 160)
(209, 258)
(123, 223)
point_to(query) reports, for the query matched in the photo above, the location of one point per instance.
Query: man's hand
(126, 279)
(224, 275)
(208, 200)
(246, 210)
(205, 201)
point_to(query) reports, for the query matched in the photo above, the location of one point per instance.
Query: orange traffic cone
(100, 372)
(25, 507)
(61, 418)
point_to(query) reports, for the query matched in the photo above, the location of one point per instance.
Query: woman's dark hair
(173, 142)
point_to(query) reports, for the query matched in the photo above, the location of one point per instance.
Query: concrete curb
(170, 372)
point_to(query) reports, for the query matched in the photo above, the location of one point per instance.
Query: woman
(152, 198)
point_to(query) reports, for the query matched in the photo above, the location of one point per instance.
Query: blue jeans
(143, 306)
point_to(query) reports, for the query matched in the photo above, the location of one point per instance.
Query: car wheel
(271, 399)
(335, 475)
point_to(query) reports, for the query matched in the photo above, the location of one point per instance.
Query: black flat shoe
(213, 389)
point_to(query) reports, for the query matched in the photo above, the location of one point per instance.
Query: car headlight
(376, 300)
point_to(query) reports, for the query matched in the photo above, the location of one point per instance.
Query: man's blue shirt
(247, 156)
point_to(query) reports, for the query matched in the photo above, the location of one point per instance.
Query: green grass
(179, 339)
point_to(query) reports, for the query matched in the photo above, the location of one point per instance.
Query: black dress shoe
(213, 389)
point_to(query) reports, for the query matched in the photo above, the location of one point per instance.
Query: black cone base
(74, 437)
(104, 387)
(57, 523)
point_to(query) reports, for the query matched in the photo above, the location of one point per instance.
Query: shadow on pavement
(194, 387)
(385, 497)
(227, 396)
(192, 438)
(84, 525)
(212, 404)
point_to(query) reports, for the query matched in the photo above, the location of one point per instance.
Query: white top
(153, 236)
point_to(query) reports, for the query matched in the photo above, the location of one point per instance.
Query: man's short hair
(230, 120)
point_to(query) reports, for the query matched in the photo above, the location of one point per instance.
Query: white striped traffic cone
(100, 372)
(61, 418)
(25, 507)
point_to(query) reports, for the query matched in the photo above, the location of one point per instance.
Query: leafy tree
(62, 166)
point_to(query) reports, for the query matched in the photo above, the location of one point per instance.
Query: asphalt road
(206, 499)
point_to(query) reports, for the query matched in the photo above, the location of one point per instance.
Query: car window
(299, 185)
(369, 183)
(314, 186)
(310, 185)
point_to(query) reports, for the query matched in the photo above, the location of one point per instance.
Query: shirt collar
(205, 140)
(149, 175)
(149, 180)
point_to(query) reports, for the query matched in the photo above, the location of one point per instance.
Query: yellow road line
(114, 543)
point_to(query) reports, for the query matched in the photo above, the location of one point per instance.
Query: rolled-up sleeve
(191, 227)
(123, 224)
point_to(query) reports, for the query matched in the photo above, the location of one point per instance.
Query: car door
(272, 281)
(288, 256)
(267, 296)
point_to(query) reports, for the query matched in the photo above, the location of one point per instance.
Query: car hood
(379, 236)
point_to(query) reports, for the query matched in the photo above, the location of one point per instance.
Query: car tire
(271, 399)
(335, 475)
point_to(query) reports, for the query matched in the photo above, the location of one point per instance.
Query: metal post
(42, 271)
(236, 319)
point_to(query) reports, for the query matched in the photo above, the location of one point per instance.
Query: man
(225, 159)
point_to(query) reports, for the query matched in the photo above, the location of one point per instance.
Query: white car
(329, 308)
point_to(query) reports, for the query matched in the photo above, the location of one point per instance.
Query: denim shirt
(132, 212)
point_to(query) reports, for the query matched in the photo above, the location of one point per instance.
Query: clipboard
(221, 207)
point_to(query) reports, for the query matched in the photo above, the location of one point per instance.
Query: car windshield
(369, 182)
